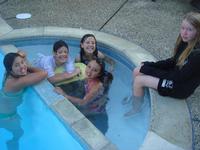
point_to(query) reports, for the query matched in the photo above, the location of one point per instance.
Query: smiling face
(19, 67)
(93, 70)
(61, 55)
(187, 31)
(89, 45)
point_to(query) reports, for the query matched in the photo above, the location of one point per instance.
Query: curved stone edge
(170, 119)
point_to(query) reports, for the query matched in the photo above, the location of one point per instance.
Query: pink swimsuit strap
(90, 84)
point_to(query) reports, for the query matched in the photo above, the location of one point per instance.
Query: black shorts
(173, 89)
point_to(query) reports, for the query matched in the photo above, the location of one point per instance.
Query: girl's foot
(136, 106)
(131, 112)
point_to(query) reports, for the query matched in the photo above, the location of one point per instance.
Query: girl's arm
(33, 69)
(63, 76)
(188, 70)
(16, 84)
(111, 62)
(78, 101)
(108, 60)
(91, 94)
(162, 64)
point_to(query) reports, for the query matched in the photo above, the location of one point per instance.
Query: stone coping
(170, 118)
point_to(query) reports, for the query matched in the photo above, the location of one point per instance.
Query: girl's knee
(136, 71)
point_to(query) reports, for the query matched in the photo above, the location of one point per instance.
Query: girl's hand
(58, 90)
(21, 53)
(78, 71)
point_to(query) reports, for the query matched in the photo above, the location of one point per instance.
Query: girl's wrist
(76, 73)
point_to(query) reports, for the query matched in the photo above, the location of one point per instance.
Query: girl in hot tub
(96, 87)
(18, 76)
(89, 51)
(60, 57)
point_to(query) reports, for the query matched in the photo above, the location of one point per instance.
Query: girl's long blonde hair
(194, 19)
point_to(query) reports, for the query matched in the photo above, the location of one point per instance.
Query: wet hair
(59, 44)
(82, 52)
(194, 19)
(101, 63)
(8, 63)
(104, 76)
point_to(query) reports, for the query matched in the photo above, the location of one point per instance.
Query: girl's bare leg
(140, 82)
(128, 99)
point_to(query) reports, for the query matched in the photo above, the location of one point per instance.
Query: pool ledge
(170, 125)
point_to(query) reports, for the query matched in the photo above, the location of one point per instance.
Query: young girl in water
(94, 100)
(89, 51)
(177, 76)
(18, 76)
(60, 57)
(94, 87)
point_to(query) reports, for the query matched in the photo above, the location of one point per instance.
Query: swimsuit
(9, 101)
(98, 102)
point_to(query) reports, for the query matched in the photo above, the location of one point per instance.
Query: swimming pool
(121, 129)
(42, 129)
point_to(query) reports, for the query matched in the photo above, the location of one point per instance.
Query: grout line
(113, 15)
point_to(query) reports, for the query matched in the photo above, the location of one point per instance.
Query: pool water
(42, 130)
(127, 133)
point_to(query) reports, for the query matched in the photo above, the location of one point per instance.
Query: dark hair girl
(88, 49)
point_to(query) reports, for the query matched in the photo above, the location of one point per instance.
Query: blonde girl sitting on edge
(177, 76)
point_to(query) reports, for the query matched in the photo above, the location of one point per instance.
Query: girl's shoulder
(95, 84)
(9, 82)
(98, 87)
